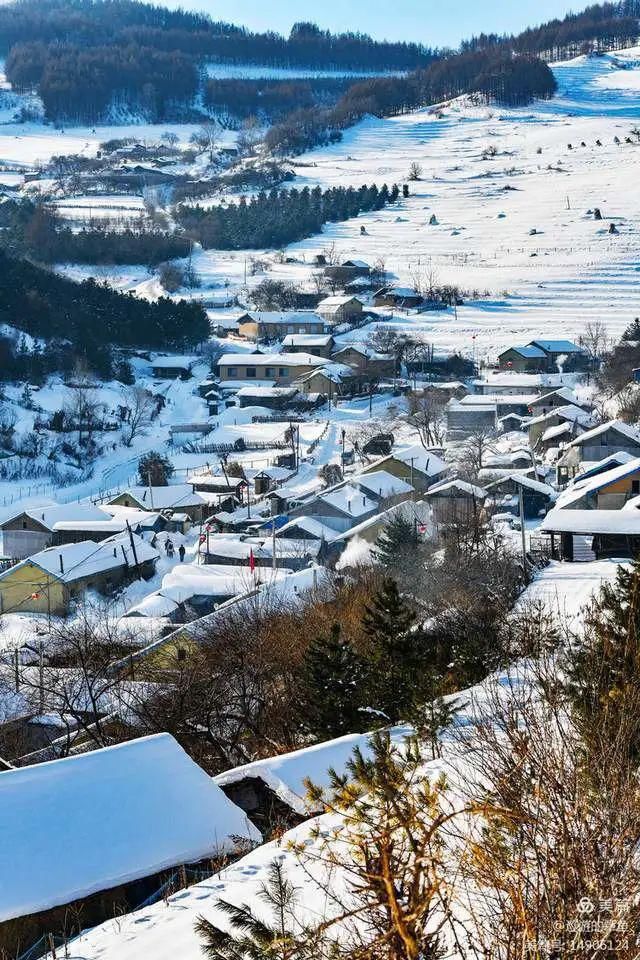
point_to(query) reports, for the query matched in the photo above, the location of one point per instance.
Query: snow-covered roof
(361, 264)
(264, 392)
(337, 301)
(552, 432)
(524, 481)
(349, 500)
(570, 413)
(565, 393)
(616, 426)
(270, 360)
(382, 484)
(310, 525)
(401, 292)
(75, 561)
(557, 346)
(416, 457)
(470, 489)
(279, 317)
(307, 340)
(335, 372)
(113, 525)
(581, 489)
(613, 460)
(177, 495)
(87, 823)
(286, 774)
(154, 605)
(173, 362)
(528, 353)
(50, 514)
(588, 522)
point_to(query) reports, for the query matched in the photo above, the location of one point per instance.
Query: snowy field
(548, 282)
(257, 71)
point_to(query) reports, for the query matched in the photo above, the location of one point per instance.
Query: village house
(366, 361)
(603, 440)
(456, 501)
(584, 535)
(610, 490)
(279, 369)
(402, 298)
(341, 507)
(347, 271)
(383, 487)
(172, 368)
(465, 419)
(333, 381)
(178, 497)
(508, 382)
(268, 325)
(420, 468)
(339, 309)
(536, 496)
(273, 398)
(290, 555)
(540, 356)
(49, 581)
(560, 424)
(97, 833)
(321, 345)
(553, 399)
(32, 529)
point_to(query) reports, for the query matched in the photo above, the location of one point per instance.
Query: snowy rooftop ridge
(87, 823)
(618, 426)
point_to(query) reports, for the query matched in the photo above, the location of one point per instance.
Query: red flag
(252, 561)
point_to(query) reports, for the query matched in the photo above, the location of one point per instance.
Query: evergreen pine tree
(604, 670)
(332, 672)
(398, 677)
(396, 542)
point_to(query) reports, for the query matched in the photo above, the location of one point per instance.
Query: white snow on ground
(566, 588)
(257, 71)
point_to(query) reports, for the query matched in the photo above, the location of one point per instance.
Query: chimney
(61, 563)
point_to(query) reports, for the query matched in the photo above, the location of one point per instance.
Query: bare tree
(415, 172)
(141, 408)
(206, 137)
(426, 415)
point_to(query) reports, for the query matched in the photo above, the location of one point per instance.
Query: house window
(232, 371)
(269, 372)
(603, 440)
(24, 524)
(635, 487)
(182, 653)
(251, 373)
(283, 371)
(291, 329)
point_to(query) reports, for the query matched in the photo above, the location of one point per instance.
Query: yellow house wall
(18, 585)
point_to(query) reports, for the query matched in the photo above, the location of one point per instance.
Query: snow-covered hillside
(541, 179)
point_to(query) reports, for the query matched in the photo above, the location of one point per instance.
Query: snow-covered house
(50, 580)
(367, 361)
(321, 345)
(341, 507)
(32, 529)
(88, 830)
(598, 443)
(384, 487)
(275, 369)
(274, 325)
(536, 496)
(179, 497)
(551, 400)
(420, 468)
(581, 535)
(340, 309)
(465, 419)
(558, 425)
(171, 368)
(399, 297)
(610, 490)
(456, 501)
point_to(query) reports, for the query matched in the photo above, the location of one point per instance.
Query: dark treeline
(599, 28)
(89, 23)
(272, 98)
(86, 320)
(83, 55)
(492, 73)
(37, 232)
(279, 217)
(81, 83)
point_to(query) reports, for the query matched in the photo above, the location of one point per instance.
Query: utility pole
(525, 562)
(150, 488)
(274, 565)
(133, 549)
